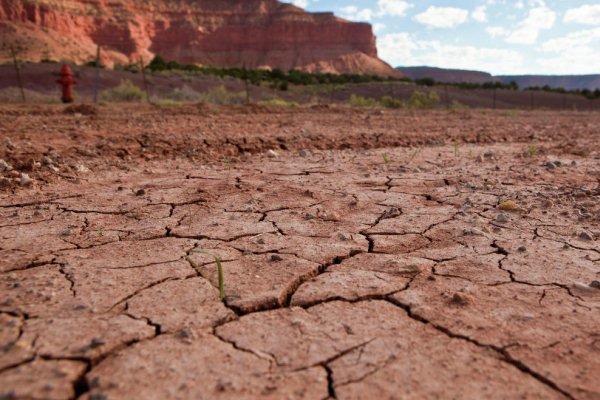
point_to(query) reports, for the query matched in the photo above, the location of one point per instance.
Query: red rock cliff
(255, 33)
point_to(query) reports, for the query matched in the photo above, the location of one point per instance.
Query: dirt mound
(83, 109)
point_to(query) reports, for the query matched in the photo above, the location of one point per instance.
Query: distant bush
(390, 102)
(185, 94)
(220, 95)
(168, 103)
(125, 92)
(360, 101)
(457, 105)
(423, 100)
(278, 103)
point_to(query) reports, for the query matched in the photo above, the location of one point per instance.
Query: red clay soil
(465, 264)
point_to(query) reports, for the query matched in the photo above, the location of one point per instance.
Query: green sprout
(227, 161)
(532, 151)
(414, 154)
(456, 146)
(386, 158)
(219, 271)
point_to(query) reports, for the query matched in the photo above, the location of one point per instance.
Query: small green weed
(386, 158)
(532, 150)
(219, 271)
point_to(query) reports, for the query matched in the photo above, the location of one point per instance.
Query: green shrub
(168, 103)
(220, 95)
(185, 94)
(125, 92)
(359, 101)
(423, 100)
(457, 105)
(278, 103)
(390, 102)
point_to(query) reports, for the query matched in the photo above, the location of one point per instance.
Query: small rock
(502, 218)
(461, 299)
(508, 205)
(272, 154)
(548, 203)
(586, 236)
(522, 249)
(391, 212)
(595, 284)
(276, 257)
(4, 166)
(474, 232)
(303, 153)
(488, 154)
(4, 182)
(96, 342)
(25, 180)
(82, 169)
(550, 165)
(140, 192)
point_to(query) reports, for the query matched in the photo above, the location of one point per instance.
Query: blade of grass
(221, 280)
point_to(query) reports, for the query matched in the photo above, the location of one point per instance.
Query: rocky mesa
(254, 33)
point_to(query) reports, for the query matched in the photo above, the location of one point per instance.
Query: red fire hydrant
(67, 81)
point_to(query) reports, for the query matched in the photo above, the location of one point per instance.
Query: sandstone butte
(251, 33)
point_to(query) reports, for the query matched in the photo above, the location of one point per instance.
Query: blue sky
(497, 36)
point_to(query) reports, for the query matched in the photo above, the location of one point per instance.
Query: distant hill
(568, 82)
(446, 75)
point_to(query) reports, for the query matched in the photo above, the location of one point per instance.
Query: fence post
(18, 71)
(96, 80)
(446, 96)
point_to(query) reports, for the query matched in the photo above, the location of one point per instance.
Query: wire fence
(36, 83)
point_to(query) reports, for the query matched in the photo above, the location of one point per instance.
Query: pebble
(502, 218)
(4, 166)
(303, 153)
(140, 192)
(586, 236)
(4, 182)
(25, 180)
(272, 154)
(508, 205)
(276, 257)
(522, 249)
(82, 169)
(550, 165)
(595, 284)
(460, 299)
(474, 232)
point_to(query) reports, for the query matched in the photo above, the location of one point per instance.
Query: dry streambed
(349, 274)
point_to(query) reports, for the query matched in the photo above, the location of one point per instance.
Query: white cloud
(300, 3)
(442, 17)
(378, 27)
(393, 7)
(479, 14)
(528, 31)
(496, 31)
(353, 13)
(575, 53)
(404, 49)
(586, 14)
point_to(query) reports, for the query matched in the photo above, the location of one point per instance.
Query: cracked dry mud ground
(346, 277)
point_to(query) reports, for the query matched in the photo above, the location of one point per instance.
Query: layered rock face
(254, 33)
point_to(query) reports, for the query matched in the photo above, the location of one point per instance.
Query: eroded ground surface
(464, 271)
